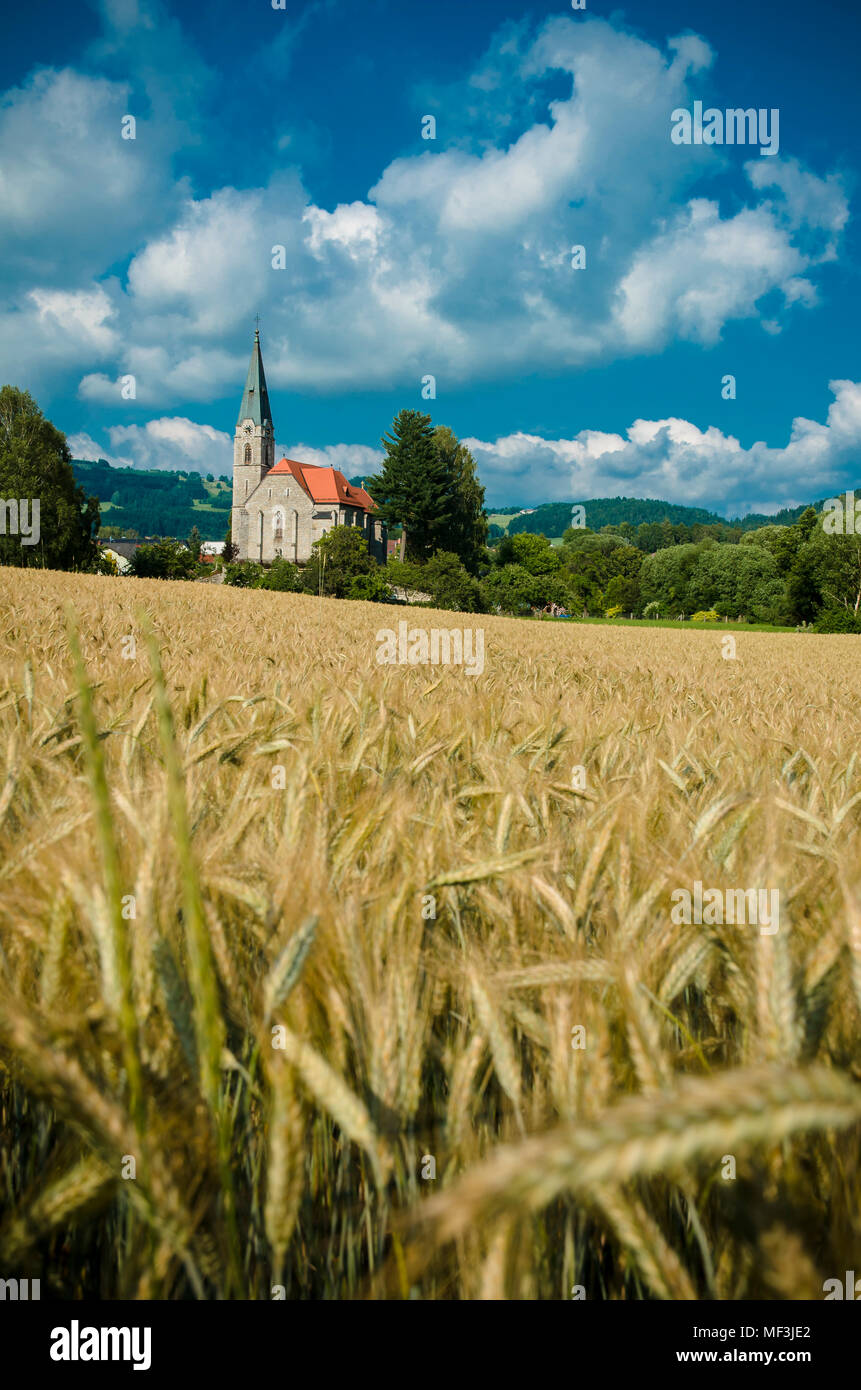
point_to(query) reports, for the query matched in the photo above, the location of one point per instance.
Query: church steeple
(253, 439)
(255, 401)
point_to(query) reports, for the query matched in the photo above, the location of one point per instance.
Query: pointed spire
(255, 400)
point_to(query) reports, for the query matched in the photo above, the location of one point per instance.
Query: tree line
(428, 485)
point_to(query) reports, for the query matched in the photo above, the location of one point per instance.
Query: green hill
(552, 518)
(155, 502)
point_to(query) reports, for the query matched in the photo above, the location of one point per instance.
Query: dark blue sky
(404, 257)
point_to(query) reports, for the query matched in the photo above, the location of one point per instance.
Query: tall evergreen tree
(415, 488)
(35, 465)
(231, 550)
(194, 543)
(468, 527)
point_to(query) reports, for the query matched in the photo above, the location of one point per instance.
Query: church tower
(253, 440)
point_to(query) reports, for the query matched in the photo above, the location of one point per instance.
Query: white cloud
(200, 375)
(174, 442)
(72, 190)
(355, 227)
(171, 442)
(83, 314)
(674, 460)
(458, 262)
(83, 446)
(704, 271)
(354, 460)
(803, 198)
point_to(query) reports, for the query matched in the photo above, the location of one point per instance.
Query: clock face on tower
(247, 429)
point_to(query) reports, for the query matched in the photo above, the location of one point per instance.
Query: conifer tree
(468, 527)
(415, 488)
(194, 543)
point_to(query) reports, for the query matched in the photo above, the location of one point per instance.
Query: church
(280, 509)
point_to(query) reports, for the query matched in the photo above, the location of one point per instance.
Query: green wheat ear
(112, 881)
(209, 1029)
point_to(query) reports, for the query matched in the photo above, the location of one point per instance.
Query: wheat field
(333, 979)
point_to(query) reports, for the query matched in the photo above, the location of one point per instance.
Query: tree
(622, 593)
(244, 574)
(803, 591)
(449, 584)
(468, 528)
(36, 466)
(833, 618)
(281, 575)
(106, 563)
(665, 575)
(741, 579)
(163, 560)
(194, 543)
(534, 553)
(511, 588)
(230, 551)
(836, 562)
(416, 488)
(341, 567)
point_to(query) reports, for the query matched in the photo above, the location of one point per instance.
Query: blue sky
(405, 257)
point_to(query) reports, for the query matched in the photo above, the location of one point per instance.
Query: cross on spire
(257, 321)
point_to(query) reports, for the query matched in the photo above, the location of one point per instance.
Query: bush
(372, 587)
(405, 574)
(342, 567)
(449, 584)
(243, 574)
(105, 564)
(164, 560)
(706, 615)
(837, 619)
(281, 575)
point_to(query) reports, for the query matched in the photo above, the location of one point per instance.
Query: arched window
(246, 458)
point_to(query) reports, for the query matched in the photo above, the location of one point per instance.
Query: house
(280, 509)
(124, 548)
(123, 565)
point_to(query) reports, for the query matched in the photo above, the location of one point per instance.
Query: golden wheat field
(220, 854)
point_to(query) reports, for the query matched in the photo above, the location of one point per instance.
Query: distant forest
(553, 518)
(140, 503)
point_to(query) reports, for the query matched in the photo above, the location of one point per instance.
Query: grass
(375, 999)
(687, 625)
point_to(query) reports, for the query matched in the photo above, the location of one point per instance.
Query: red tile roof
(326, 485)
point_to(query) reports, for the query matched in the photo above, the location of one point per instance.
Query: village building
(280, 509)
